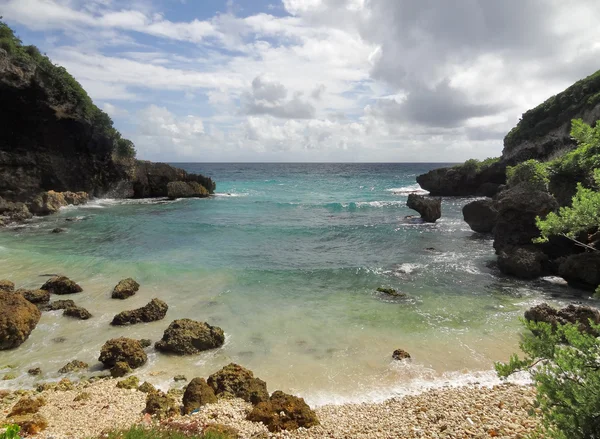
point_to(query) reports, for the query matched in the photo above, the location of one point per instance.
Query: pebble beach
(503, 411)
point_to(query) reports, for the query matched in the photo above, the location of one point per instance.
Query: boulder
(152, 179)
(582, 270)
(35, 296)
(77, 312)
(27, 406)
(123, 349)
(582, 315)
(183, 189)
(284, 412)
(30, 425)
(125, 288)
(130, 383)
(18, 318)
(120, 369)
(481, 215)
(429, 208)
(234, 381)
(146, 387)
(185, 337)
(76, 198)
(145, 342)
(7, 286)
(517, 210)
(58, 230)
(58, 305)
(73, 366)
(47, 203)
(400, 354)
(160, 405)
(153, 311)
(61, 285)
(197, 393)
(522, 262)
(34, 371)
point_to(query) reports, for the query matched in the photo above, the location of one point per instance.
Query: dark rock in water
(35, 371)
(146, 343)
(234, 381)
(517, 210)
(59, 339)
(61, 285)
(123, 349)
(522, 262)
(178, 378)
(7, 286)
(430, 249)
(190, 189)
(120, 369)
(18, 318)
(464, 180)
(197, 394)
(185, 337)
(59, 230)
(391, 292)
(153, 311)
(582, 270)
(581, 315)
(59, 304)
(481, 215)
(161, 406)
(73, 366)
(125, 288)
(284, 412)
(152, 179)
(429, 208)
(35, 296)
(400, 354)
(77, 312)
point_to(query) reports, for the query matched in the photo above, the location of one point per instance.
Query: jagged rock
(153, 311)
(77, 312)
(120, 369)
(234, 381)
(400, 354)
(73, 366)
(284, 412)
(146, 343)
(185, 337)
(464, 181)
(160, 405)
(582, 270)
(123, 349)
(522, 262)
(182, 189)
(35, 296)
(146, 387)
(59, 230)
(27, 406)
(125, 288)
(76, 198)
(481, 215)
(58, 305)
(429, 208)
(152, 179)
(61, 285)
(50, 202)
(18, 318)
(132, 382)
(83, 396)
(30, 425)
(7, 286)
(517, 210)
(13, 212)
(197, 393)
(35, 371)
(582, 315)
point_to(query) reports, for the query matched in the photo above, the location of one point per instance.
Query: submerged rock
(185, 337)
(58, 305)
(125, 288)
(77, 312)
(197, 393)
(582, 315)
(481, 215)
(183, 189)
(123, 349)
(35, 371)
(390, 292)
(153, 311)
(58, 230)
(35, 296)
(284, 412)
(429, 208)
(73, 366)
(61, 285)
(400, 354)
(18, 318)
(234, 381)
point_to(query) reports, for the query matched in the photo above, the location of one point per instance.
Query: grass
(137, 432)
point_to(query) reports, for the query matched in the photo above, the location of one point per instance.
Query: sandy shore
(463, 412)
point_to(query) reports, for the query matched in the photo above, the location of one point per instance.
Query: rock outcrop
(582, 270)
(35, 296)
(50, 202)
(73, 366)
(152, 179)
(77, 312)
(235, 381)
(18, 318)
(464, 180)
(197, 393)
(58, 305)
(61, 285)
(153, 311)
(183, 189)
(580, 315)
(429, 208)
(161, 405)
(186, 337)
(123, 349)
(284, 412)
(481, 215)
(7, 286)
(125, 288)
(523, 262)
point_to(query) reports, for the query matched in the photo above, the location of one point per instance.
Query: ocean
(286, 258)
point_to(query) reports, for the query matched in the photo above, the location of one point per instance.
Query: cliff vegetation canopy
(63, 90)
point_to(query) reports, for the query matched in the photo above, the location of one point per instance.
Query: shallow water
(286, 259)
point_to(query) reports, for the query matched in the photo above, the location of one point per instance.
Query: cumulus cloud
(270, 98)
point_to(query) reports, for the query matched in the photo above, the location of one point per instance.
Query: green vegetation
(11, 432)
(556, 111)
(473, 166)
(531, 172)
(64, 92)
(153, 433)
(564, 364)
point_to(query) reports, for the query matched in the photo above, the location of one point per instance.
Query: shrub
(153, 433)
(11, 432)
(531, 172)
(565, 367)
(475, 166)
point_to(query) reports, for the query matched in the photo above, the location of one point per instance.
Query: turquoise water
(286, 258)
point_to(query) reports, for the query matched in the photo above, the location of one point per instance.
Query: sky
(315, 80)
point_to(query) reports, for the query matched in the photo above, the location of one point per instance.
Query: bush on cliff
(530, 172)
(63, 90)
(564, 364)
(580, 163)
(474, 166)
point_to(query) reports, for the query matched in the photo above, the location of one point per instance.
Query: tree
(125, 148)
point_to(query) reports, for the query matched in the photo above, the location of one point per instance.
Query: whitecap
(230, 194)
(405, 190)
(555, 280)
(408, 268)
